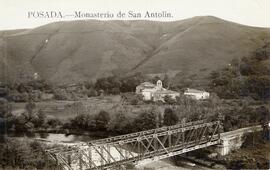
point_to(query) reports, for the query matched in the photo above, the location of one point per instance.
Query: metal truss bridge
(154, 144)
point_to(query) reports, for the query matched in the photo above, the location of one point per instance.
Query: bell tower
(159, 85)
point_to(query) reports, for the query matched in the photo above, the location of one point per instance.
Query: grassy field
(65, 110)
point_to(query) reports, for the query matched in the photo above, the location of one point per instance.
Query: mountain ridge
(73, 51)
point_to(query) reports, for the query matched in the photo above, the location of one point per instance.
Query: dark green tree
(260, 86)
(145, 121)
(166, 81)
(102, 120)
(119, 124)
(170, 117)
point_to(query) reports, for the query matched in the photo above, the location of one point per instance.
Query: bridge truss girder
(153, 144)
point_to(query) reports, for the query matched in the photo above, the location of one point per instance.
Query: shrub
(136, 99)
(92, 92)
(21, 154)
(119, 124)
(53, 122)
(169, 100)
(145, 121)
(102, 120)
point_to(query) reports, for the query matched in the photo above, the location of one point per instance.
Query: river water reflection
(54, 137)
(63, 137)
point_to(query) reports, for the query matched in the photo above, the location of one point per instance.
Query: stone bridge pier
(229, 144)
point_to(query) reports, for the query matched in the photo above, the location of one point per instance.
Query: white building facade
(197, 94)
(155, 92)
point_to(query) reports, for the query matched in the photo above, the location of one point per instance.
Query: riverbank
(253, 157)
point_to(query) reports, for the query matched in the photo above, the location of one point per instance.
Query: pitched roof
(147, 84)
(193, 91)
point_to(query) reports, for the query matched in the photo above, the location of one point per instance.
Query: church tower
(159, 85)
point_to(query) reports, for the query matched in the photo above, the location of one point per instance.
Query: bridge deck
(240, 131)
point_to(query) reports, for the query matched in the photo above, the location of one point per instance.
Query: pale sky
(14, 13)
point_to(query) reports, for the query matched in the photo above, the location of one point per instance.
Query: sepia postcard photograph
(134, 84)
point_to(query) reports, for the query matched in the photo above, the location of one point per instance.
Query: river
(54, 137)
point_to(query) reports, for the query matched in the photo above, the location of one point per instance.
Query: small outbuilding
(197, 94)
